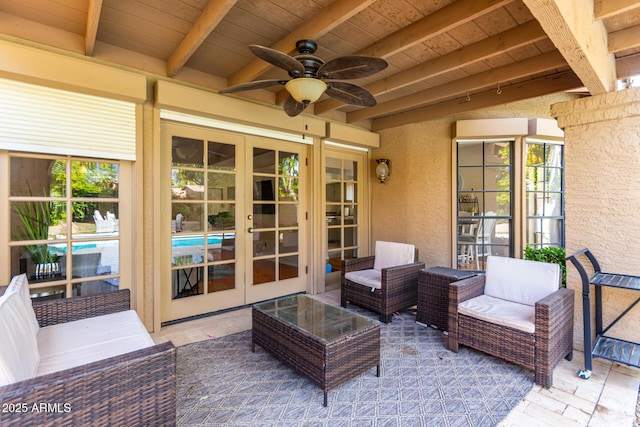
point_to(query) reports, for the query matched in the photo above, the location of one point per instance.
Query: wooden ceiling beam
(624, 39)
(513, 38)
(211, 16)
(512, 93)
(93, 19)
(517, 70)
(608, 8)
(438, 22)
(581, 40)
(628, 66)
(329, 18)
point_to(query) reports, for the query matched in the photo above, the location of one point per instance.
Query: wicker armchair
(397, 287)
(539, 350)
(133, 389)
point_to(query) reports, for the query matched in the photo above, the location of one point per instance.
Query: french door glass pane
(334, 193)
(333, 168)
(288, 189)
(350, 170)
(288, 241)
(264, 271)
(221, 216)
(264, 215)
(187, 184)
(334, 239)
(264, 161)
(187, 152)
(350, 192)
(264, 243)
(221, 277)
(221, 156)
(288, 267)
(287, 215)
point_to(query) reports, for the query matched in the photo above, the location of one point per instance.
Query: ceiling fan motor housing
(311, 62)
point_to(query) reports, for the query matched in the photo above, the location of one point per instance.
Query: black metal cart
(605, 347)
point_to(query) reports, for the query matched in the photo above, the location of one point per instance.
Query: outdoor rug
(220, 382)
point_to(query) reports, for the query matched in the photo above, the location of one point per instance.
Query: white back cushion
(19, 357)
(20, 284)
(390, 254)
(522, 281)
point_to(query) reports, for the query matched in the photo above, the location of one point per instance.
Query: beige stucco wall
(602, 191)
(414, 205)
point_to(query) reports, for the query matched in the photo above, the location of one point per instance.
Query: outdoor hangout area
(320, 212)
(464, 348)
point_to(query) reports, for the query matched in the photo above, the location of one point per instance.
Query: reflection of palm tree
(289, 183)
(36, 217)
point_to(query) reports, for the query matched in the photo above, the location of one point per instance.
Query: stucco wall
(602, 192)
(414, 205)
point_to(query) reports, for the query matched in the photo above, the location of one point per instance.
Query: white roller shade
(39, 119)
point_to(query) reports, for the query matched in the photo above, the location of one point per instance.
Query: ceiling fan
(311, 76)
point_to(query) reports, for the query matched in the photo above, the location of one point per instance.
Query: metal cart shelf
(605, 347)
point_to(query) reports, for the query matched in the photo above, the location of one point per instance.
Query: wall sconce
(383, 170)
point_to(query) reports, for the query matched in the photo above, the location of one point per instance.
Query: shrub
(549, 254)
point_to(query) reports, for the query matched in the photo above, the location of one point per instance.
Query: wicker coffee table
(327, 344)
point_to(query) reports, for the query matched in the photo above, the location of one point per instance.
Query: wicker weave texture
(399, 287)
(541, 351)
(133, 389)
(325, 364)
(433, 295)
(65, 310)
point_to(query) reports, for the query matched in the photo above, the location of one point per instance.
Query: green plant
(549, 254)
(36, 217)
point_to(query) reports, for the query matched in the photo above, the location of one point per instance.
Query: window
(544, 182)
(484, 208)
(59, 206)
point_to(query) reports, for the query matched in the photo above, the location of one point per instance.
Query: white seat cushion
(370, 278)
(391, 254)
(76, 343)
(20, 284)
(19, 355)
(500, 312)
(522, 281)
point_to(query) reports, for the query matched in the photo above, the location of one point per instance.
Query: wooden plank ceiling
(444, 56)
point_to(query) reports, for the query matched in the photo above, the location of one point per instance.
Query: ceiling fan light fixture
(306, 89)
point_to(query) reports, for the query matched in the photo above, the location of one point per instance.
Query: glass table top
(324, 321)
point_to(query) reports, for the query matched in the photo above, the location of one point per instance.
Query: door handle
(250, 229)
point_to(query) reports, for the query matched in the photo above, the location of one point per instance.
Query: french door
(236, 211)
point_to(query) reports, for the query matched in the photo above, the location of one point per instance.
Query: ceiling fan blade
(350, 94)
(258, 84)
(351, 67)
(293, 107)
(279, 59)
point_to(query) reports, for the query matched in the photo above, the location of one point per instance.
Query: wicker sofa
(136, 388)
(385, 283)
(517, 312)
